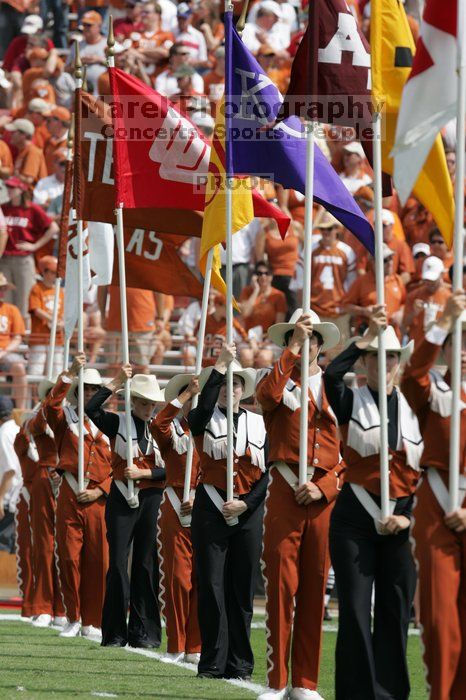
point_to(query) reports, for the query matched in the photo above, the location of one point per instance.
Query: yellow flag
(392, 50)
(214, 225)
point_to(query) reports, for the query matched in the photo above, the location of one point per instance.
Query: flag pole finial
(110, 44)
(78, 66)
(242, 18)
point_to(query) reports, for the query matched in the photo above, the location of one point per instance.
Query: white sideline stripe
(103, 695)
(247, 685)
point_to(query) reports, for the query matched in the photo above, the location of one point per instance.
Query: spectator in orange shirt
(426, 303)
(333, 271)
(165, 304)
(420, 251)
(41, 303)
(11, 331)
(58, 124)
(440, 249)
(214, 80)
(216, 331)
(362, 298)
(282, 256)
(6, 160)
(29, 164)
(152, 45)
(403, 263)
(277, 69)
(36, 111)
(417, 221)
(354, 175)
(141, 326)
(261, 306)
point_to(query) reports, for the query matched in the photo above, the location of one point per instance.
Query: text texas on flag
(278, 150)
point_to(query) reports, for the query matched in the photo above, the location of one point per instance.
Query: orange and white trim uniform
(80, 528)
(295, 548)
(24, 549)
(439, 551)
(47, 593)
(178, 589)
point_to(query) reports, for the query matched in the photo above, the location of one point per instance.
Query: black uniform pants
(370, 659)
(226, 560)
(139, 526)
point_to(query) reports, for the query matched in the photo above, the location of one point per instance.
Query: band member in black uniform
(226, 556)
(368, 552)
(132, 519)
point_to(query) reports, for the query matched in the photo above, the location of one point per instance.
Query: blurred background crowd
(178, 49)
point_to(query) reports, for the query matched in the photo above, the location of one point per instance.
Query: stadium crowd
(178, 49)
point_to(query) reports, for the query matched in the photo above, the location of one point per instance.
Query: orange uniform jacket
(417, 387)
(96, 445)
(282, 424)
(45, 442)
(28, 465)
(163, 429)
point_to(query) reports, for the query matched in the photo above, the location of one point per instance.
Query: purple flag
(277, 151)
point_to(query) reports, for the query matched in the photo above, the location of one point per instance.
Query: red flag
(153, 263)
(161, 159)
(97, 184)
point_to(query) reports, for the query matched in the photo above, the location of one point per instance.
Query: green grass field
(35, 663)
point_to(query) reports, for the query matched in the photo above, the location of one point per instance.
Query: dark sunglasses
(262, 274)
(86, 25)
(437, 241)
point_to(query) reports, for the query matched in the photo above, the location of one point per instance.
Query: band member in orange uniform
(368, 552)
(178, 588)
(439, 534)
(80, 515)
(296, 522)
(48, 603)
(24, 549)
(132, 519)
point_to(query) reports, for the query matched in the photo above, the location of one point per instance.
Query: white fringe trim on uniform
(120, 442)
(441, 395)
(364, 427)
(180, 439)
(250, 433)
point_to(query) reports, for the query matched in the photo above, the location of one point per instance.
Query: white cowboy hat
(90, 376)
(329, 221)
(392, 344)
(44, 387)
(145, 386)
(176, 385)
(329, 331)
(248, 375)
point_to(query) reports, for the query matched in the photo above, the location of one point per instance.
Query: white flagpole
(458, 243)
(380, 293)
(186, 520)
(66, 354)
(78, 75)
(307, 260)
(229, 295)
(53, 329)
(124, 309)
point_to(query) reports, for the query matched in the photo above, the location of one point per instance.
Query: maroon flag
(330, 75)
